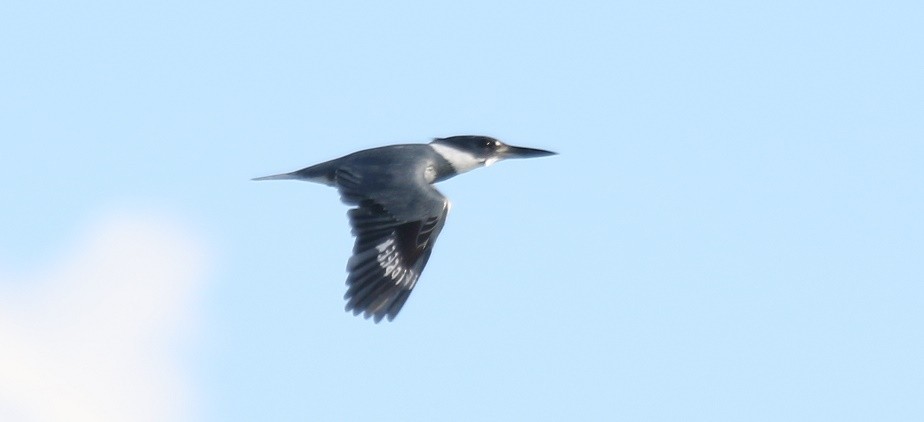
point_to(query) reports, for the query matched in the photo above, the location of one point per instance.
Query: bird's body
(398, 213)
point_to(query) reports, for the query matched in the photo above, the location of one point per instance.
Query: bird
(398, 213)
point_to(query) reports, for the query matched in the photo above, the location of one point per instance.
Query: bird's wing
(393, 244)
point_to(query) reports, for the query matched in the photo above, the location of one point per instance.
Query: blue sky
(732, 229)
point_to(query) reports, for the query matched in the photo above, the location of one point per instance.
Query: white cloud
(98, 336)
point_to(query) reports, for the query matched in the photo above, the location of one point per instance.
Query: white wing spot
(384, 245)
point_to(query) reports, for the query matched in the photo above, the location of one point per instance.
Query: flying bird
(398, 213)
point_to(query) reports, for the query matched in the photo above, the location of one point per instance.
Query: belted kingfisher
(398, 212)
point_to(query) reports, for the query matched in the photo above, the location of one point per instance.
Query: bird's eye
(490, 144)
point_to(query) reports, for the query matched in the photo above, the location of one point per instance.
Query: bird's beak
(522, 152)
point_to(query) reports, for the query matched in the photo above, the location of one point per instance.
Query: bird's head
(469, 151)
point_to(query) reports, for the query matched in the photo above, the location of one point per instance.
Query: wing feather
(391, 249)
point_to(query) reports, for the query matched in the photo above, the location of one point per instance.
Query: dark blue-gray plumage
(398, 213)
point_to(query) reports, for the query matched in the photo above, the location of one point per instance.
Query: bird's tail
(320, 173)
(283, 176)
